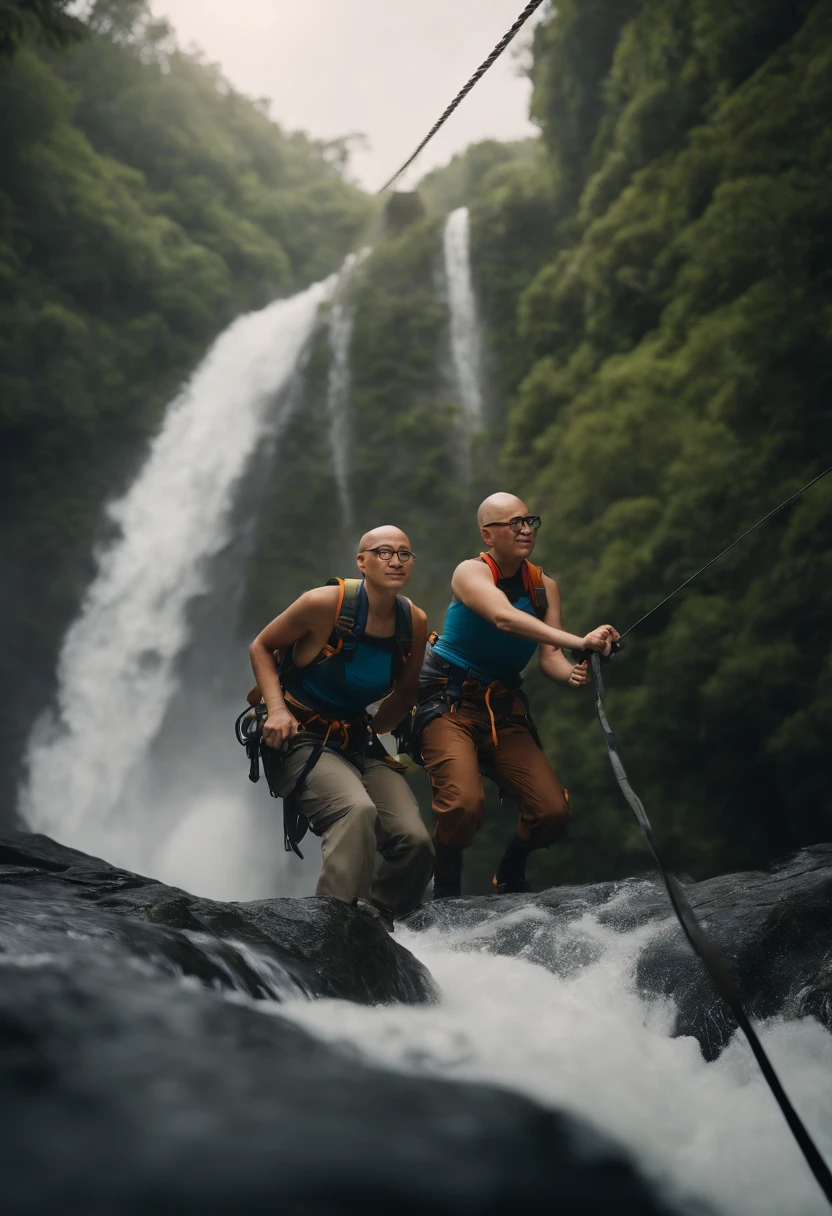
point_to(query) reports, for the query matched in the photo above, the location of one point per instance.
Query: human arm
(474, 585)
(309, 617)
(404, 695)
(554, 664)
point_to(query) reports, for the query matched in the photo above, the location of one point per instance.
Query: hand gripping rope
(530, 8)
(712, 958)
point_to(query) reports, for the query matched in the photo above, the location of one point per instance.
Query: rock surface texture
(145, 1067)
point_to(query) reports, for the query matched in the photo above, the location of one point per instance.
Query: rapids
(572, 1032)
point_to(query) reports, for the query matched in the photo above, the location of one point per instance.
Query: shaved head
(386, 534)
(498, 507)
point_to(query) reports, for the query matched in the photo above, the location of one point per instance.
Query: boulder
(146, 1066)
(269, 947)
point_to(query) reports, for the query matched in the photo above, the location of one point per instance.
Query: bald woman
(472, 717)
(354, 797)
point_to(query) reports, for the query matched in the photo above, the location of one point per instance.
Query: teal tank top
(471, 642)
(340, 689)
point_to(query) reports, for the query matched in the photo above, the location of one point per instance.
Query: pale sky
(387, 68)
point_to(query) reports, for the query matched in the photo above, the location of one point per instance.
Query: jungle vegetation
(143, 204)
(653, 276)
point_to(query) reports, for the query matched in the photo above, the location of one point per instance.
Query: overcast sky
(386, 68)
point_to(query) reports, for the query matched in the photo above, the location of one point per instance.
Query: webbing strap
(715, 964)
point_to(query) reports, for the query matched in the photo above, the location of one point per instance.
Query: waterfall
(90, 762)
(337, 395)
(465, 333)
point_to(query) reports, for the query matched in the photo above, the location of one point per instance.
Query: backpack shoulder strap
(404, 633)
(533, 582)
(350, 619)
(496, 573)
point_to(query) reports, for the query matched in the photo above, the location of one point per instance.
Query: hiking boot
(510, 877)
(447, 877)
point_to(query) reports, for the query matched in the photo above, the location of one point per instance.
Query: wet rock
(269, 947)
(124, 1093)
(138, 1075)
(774, 928)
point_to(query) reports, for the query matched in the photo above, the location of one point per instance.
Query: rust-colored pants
(457, 746)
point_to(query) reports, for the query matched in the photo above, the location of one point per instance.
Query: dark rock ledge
(131, 1084)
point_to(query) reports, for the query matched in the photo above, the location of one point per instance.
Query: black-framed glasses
(517, 523)
(385, 553)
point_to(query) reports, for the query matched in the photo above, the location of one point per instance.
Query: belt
(467, 685)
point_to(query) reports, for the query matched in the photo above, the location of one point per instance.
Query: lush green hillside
(677, 386)
(653, 275)
(143, 204)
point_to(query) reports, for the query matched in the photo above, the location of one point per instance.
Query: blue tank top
(340, 689)
(480, 647)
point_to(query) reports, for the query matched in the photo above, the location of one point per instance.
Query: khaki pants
(457, 746)
(355, 816)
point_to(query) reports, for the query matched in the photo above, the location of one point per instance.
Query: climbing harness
(349, 736)
(728, 549)
(530, 8)
(712, 958)
(444, 685)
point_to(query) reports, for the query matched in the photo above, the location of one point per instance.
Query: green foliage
(44, 21)
(406, 426)
(143, 204)
(681, 389)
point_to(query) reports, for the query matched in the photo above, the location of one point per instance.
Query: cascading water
(89, 765)
(337, 397)
(465, 333)
(563, 1022)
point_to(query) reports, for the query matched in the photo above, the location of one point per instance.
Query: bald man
(342, 648)
(472, 716)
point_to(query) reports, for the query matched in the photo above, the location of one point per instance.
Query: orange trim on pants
(458, 745)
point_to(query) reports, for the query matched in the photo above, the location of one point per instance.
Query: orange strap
(491, 715)
(332, 724)
(532, 580)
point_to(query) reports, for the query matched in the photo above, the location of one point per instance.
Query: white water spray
(465, 331)
(338, 387)
(117, 670)
(575, 1035)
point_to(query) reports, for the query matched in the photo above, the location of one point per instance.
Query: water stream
(91, 763)
(465, 330)
(338, 386)
(570, 1030)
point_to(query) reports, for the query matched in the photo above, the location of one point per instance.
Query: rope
(688, 581)
(715, 964)
(466, 89)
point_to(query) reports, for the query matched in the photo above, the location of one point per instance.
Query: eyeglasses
(516, 524)
(385, 554)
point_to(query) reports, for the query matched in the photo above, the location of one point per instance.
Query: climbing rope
(728, 549)
(715, 964)
(711, 957)
(466, 89)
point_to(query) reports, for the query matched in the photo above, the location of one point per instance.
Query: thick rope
(463, 93)
(753, 528)
(712, 958)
